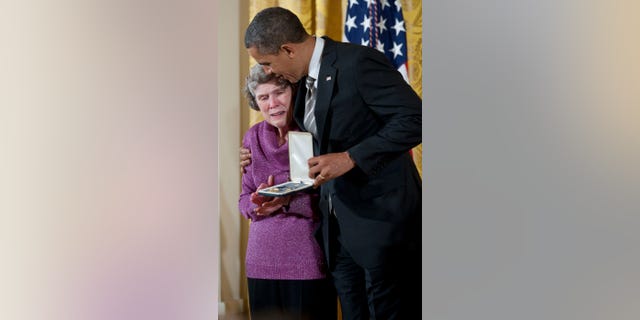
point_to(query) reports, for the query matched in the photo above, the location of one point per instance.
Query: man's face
(282, 64)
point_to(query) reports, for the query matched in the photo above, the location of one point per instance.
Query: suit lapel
(298, 110)
(326, 82)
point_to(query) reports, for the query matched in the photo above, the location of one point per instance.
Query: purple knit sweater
(282, 245)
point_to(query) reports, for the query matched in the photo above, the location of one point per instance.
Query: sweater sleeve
(245, 205)
(303, 204)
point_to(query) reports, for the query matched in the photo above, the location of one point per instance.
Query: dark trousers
(292, 299)
(389, 291)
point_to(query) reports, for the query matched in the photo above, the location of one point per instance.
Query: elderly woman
(284, 264)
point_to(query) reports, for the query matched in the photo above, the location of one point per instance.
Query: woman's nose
(273, 101)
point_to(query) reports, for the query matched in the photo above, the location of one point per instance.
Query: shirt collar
(314, 64)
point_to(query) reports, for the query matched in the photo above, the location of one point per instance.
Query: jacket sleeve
(391, 98)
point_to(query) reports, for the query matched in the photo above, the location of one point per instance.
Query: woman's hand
(260, 199)
(268, 205)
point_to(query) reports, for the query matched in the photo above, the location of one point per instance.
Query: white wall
(531, 152)
(108, 160)
(232, 61)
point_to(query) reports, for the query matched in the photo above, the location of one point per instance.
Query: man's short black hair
(273, 27)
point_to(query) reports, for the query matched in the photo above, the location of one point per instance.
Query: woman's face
(274, 102)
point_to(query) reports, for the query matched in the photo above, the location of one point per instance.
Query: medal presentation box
(300, 150)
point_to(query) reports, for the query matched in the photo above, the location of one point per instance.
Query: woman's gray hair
(256, 77)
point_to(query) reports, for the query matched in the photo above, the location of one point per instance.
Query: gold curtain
(326, 17)
(412, 13)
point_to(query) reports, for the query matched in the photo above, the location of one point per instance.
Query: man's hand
(245, 159)
(329, 166)
(268, 205)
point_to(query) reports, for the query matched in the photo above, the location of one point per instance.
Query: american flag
(378, 24)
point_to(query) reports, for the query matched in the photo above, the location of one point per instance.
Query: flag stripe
(378, 24)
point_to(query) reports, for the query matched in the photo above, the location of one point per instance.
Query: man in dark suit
(365, 118)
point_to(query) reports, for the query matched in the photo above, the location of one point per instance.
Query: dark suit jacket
(364, 106)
